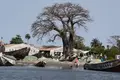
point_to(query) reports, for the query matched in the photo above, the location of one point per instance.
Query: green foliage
(78, 42)
(16, 40)
(96, 47)
(115, 48)
(27, 36)
(87, 48)
(98, 50)
(95, 43)
(112, 52)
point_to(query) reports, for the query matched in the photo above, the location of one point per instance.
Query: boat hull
(4, 62)
(18, 54)
(110, 66)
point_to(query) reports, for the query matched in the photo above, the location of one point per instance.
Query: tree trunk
(68, 43)
(65, 47)
(27, 41)
(71, 44)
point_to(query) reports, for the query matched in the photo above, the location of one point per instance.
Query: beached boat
(111, 66)
(6, 60)
(40, 64)
(18, 54)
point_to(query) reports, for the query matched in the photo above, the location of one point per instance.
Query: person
(105, 57)
(102, 59)
(76, 62)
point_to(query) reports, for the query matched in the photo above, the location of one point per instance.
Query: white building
(58, 51)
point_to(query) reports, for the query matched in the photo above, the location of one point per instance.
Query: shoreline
(59, 64)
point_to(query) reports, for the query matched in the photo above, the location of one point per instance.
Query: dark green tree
(63, 19)
(16, 40)
(95, 43)
(112, 52)
(27, 37)
(97, 47)
(98, 50)
(87, 48)
(79, 42)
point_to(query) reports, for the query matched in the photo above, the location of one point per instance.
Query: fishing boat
(18, 54)
(110, 66)
(6, 60)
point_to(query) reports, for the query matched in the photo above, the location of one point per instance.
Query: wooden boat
(40, 64)
(6, 60)
(110, 66)
(18, 54)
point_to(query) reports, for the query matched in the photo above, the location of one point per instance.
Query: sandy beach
(50, 63)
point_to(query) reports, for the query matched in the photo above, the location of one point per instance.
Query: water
(36, 73)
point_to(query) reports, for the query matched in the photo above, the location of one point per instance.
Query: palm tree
(95, 42)
(27, 37)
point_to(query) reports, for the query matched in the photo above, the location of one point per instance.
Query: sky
(16, 17)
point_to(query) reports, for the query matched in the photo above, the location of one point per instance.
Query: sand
(50, 63)
(57, 63)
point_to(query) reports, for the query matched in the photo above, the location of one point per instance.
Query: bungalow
(57, 52)
(47, 51)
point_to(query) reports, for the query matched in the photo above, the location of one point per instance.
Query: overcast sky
(16, 17)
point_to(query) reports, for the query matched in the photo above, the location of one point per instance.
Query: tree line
(18, 40)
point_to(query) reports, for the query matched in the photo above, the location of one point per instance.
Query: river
(36, 73)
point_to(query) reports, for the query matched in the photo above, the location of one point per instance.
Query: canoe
(110, 66)
(18, 54)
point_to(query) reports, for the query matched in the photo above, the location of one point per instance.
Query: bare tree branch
(52, 40)
(114, 40)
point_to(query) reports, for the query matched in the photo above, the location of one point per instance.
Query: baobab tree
(63, 19)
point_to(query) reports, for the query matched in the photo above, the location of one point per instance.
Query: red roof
(48, 48)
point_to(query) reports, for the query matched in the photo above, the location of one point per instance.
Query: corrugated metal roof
(47, 48)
